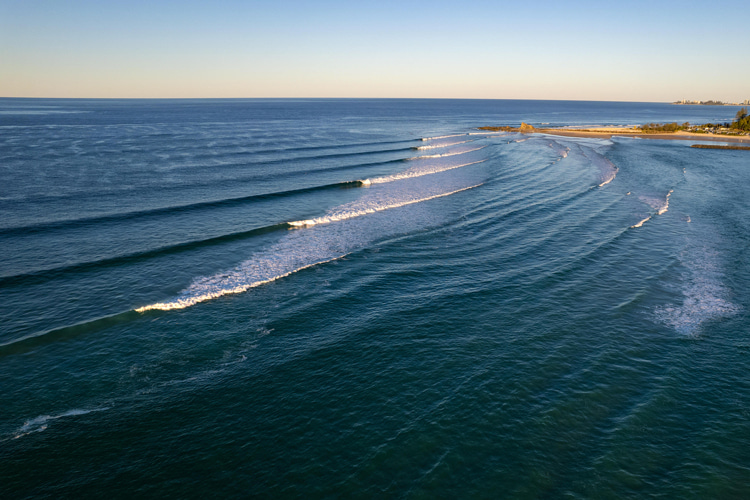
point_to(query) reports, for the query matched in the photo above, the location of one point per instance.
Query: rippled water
(317, 298)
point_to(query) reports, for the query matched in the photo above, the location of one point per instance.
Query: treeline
(742, 120)
(651, 128)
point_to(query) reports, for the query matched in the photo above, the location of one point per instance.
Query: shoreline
(609, 132)
(680, 136)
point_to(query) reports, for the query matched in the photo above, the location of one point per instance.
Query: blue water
(314, 298)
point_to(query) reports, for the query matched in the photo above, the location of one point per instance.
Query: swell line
(36, 339)
(86, 221)
(335, 146)
(44, 275)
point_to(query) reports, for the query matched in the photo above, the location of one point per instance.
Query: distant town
(746, 102)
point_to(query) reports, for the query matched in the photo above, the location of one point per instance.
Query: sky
(656, 50)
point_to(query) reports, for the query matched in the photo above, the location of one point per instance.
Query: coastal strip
(716, 146)
(609, 132)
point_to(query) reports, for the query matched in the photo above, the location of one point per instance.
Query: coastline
(613, 131)
(609, 132)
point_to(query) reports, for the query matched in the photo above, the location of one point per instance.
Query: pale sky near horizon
(581, 50)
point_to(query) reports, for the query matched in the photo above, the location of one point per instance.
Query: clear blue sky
(631, 51)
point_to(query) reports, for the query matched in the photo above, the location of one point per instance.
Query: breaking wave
(415, 173)
(661, 206)
(559, 149)
(450, 153)
(298, 251)
(442, 137)
(607, 169)
(435, 146)
(346, 212)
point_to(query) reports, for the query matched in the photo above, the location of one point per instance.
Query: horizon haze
(639, 51)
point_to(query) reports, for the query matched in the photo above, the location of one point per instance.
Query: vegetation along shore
(737, 131)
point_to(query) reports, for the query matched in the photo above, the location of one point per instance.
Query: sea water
(369, 297)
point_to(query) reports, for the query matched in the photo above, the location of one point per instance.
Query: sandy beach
(608, 132)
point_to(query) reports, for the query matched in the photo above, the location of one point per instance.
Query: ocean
(369, 298)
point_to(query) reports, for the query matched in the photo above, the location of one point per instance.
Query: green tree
(741, 114)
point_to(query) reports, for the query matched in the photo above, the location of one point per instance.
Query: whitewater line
(443, 155)
(269, 266)
(191, 301)
(442, 137)
(435, 146)
(411, 175)
(350, 215)
(661, 210)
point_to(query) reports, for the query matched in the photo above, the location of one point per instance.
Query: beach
(609, 132)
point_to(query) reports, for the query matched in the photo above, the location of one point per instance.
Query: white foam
(299, 250)
(435, 146)
(441, 137)
(607, 169)
(450, 153)
(657, 204)
(660, 206)
(41, 423)
(559, 149)
(213, 287)
(409, 174)
(349, 212)
(642, 222)
(705, 297)
(663, 209)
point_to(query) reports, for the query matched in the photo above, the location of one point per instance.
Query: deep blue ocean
(369, 298)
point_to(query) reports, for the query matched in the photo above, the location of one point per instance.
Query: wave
(660, 206)
(40, 423)
(35, 339)
(416, 173)
(349, 214)
(43, 275)
(118, 217)
(301, 250)
(641, 222)
(607, 169)
(435, 146)
(236, 180)
(663, 209)
(559, 149)
(214, 290)
(335, 146)
(442, 137)
(443, 155)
